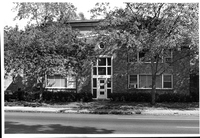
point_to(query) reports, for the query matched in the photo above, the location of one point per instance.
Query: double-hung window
(167, 81)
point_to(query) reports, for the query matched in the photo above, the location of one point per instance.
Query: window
(108, 83)
(168, 56)
(94, 70)
(109, 70)
(167, 81)
(71, 83)
(143, 56)
(133, 81)
(94, 82)
(102, 70)
(103, 67)
(144, 81)
(109, 61)
(58, 81)
(102, 61)
(94, 93)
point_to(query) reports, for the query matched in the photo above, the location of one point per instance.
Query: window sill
(145, 62)
(151, 88)
(58, 88)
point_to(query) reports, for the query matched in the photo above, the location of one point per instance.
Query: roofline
(83, 24)
(84, 21)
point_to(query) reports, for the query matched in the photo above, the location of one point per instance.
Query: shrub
(84, 97)
(128, 97)
(173, 97)
(61, 96)
(146, 97)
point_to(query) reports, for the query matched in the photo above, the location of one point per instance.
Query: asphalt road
(53, 123)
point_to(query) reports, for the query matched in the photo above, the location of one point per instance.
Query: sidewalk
(149, 111)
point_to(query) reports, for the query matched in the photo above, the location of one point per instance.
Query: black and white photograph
(100, 68)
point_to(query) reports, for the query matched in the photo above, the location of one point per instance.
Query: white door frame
(105, 77)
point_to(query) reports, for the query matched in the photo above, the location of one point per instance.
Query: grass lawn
(110, 105)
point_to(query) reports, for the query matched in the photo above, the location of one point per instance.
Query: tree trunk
(153, 90)
(41, 88)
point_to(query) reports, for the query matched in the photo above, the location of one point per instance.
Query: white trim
(102, 76)
(112, 73)
(171, 81)
(59, 88)
(162, 58)
(66, 78)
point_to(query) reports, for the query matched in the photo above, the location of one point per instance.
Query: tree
(81, 16)
(45, 49)
(154, 27)
(43, 12)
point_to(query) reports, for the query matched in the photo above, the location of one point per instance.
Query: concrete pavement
(59, 123)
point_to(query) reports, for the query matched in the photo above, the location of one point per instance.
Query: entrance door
(102, 93)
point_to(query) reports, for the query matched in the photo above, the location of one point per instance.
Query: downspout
(127, 67)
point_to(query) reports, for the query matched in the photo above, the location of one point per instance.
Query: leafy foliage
(153, 26)
(44, 12)
(47, 48)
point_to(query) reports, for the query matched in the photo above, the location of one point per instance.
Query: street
(54, 123)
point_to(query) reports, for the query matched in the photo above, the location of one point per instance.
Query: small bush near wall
(136, 97)
(52, 96)
(174, 97)
(63, 96)
(146, 97)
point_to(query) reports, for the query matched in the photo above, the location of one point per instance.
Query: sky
(81, 5)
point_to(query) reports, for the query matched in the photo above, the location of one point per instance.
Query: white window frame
(129, 77)
(138, 59)
(163, 58)
(162, 78)
(67, 78)
(163, 81)
(102, 76)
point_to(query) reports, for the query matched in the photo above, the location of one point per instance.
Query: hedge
(136, 97)
(62, 96)
(59, 96)
(146, 97)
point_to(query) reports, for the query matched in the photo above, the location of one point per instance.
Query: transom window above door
(103, 66)
(105, 61)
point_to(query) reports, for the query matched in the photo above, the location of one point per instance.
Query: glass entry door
(102, 93)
